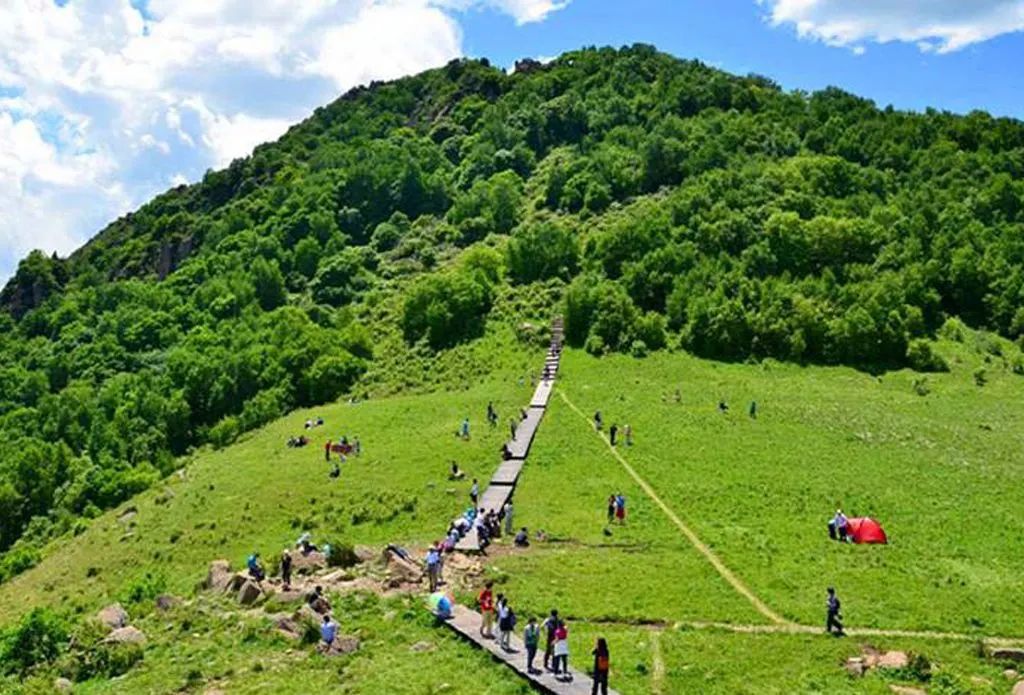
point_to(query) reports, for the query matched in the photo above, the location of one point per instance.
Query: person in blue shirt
(434, 567)
(328, 631)
(255, 569)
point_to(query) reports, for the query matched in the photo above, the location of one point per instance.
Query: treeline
(679, 205)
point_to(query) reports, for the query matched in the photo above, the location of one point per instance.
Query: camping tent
(865, 530)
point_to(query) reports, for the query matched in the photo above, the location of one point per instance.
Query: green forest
(663, 203)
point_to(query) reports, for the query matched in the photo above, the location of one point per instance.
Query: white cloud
(103, 104)
(932, 25)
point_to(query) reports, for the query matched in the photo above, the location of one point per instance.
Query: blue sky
(104, 103)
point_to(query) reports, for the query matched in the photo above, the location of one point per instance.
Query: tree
(268, 284)
(542, 250)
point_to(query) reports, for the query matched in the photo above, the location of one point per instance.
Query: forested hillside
(664, 203)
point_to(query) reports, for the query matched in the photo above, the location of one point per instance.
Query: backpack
(602, 663)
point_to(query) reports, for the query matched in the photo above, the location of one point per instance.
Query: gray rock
(126, 635)
(113, 616)
(219, 575)
(63, 685)
(249, 593)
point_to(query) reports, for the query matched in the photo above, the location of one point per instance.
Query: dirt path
(716, 562)
(779, 624)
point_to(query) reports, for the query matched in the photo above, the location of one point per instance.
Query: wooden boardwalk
(503, 482)
(466, 623)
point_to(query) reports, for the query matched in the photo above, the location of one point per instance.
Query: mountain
(658, 203)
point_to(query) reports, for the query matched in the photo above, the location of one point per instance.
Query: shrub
(638, 349)
(922, 357)
(542, 250)
(980, 376)
(224, 432)
(39, 638)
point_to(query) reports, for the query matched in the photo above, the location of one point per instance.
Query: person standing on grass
(561, 651)
(474, 492)
(627, 432)
(613, 431)
(492, 416)
(508, 518)
(286, 569)
(531, 638)
(832, 618)
(327, 451)
(753, 410)
(464, 431)
(598, 423)
(600, 667)
(486, 601)
(620, 508)
(434, 567)
(611, 508)
(550, 625)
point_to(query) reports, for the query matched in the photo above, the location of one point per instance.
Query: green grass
(939, 471)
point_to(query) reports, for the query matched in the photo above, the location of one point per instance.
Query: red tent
(865, 530)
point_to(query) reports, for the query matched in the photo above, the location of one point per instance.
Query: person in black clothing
(600, 667)
(492, 415)
(549, 625)
(833, 618)
(286, 570)
(613, 431)
(597, 420)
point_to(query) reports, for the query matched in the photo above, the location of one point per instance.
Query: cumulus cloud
(103, 102)
(932, 25)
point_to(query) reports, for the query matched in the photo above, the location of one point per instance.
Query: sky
(105, 103)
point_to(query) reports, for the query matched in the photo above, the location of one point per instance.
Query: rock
(893, 660)
(855, 667)
(870, 656)
(219, 575)
(337, 576)
(365, 553)
(403, 571)
(1011, 674)
(306, 614)
(308, 563)
(113, 616)
(289, 627)
(342, 645)
(1018, 689)
(63, 685)
(978, 680)
(249, 593)
(126, 635)
(906, 690)
(1007, 654)
(165, 602)
(422, 647)
(236, 582)
(128, 514)
(286, 597)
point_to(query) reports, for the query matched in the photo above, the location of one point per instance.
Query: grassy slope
(824, 435)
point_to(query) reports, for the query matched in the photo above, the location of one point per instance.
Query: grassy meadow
(939, 470)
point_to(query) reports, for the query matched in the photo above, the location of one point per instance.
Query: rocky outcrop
(249, 593)
(1006, 654)
(219, 576)
(401, 571)
(308, 563)
(113, 616)
(126, 635)
(166, 602)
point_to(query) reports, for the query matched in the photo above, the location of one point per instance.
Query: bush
(39, 638)
(145, 588)
(540, 251)
(446, 308)
(980, 376)
(922, 357)
(224, 432)
(638, 349)
(18, 560)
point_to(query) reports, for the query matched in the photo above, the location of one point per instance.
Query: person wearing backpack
(600, 667)
(550, 626)
(561, 652)
(531, 638)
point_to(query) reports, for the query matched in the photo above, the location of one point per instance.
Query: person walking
(753, 410)
(434, 567)
(550, 625)
(833, 619)
(620, 508)
(486, 601)
(611, 508)
(600, 667)
(512, 427)
(597, 421)
(474, 492)
(492, 415)
(561, 652)
(286, 569)
(531, 638)
(508, 518)
(464, 432)
(327, 451)
(613, 432)
(505, 625)
(627, 432)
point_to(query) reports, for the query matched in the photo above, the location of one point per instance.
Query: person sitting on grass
(456, 474)
(328, 631)
(255, 568)
(522, 539)
(304, 542)
(317, 601)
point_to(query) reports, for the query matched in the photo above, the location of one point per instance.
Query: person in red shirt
(486, 601)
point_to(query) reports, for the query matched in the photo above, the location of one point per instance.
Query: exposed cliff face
(37, 278)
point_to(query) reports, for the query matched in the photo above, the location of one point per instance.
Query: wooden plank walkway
(503, 483)
(466, 623)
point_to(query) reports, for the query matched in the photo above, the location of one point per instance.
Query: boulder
(855, 667)
(126, 635)
(342, 645)
(1011, 674)
(365, 553)
(1007, 654)
(166, 602)
(249, 593)
(893, 660)
(63, 685)
(308, 563)
(219, 575)
(288, 626)
(402, 570)
(1018, 689)
(113, 616)
(337, 577)
(283, 597)
(906, 690)
(237, 581)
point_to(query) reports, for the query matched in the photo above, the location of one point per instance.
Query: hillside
(932, 467)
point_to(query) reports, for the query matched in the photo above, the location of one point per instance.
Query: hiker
(723, 407)
(464, 430)
(512, 427)
(627, 432)
(506, 452)
(600, 667)
(504, 623)
(611, 508)
(474, 492)
(317, 601)
(837, 526)
(620, 508)
(434, 567)
(335, 471)
(456, 474)
(444, 608)
(319, 421)
(357, 447)
(612, 432)
(286, 569)
(522, 414)
(304, 543)
(328, 631)
(255, 568)
(492, 415)
(597, 421)
(522, 539)
(561, 651)
(327, 451)
(483, 532)
(833, 618)
(508, 518)
(531, 638)
(550, 625)
(486, 602)
(753, 410)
